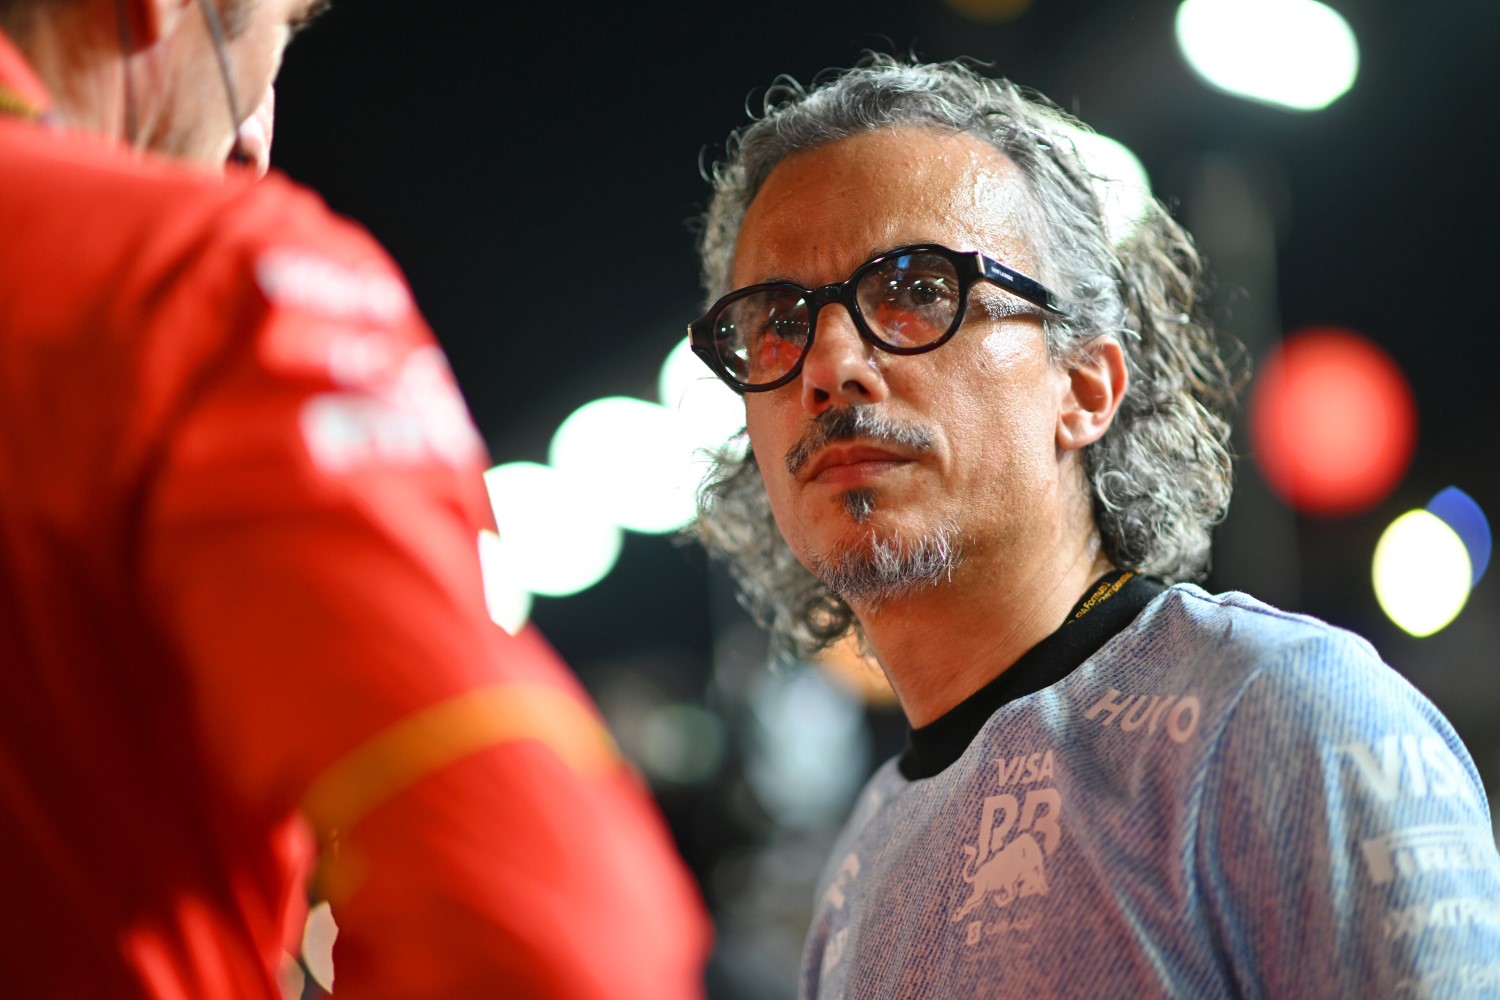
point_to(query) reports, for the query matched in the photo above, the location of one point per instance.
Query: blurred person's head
(1030, 431)
(185, 78)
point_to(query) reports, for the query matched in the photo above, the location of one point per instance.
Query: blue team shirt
(1225, 800)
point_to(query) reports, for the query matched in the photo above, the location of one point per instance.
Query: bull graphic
(1016, 870)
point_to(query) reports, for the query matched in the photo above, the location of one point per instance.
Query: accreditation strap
(451, 730)
(22, 94)
(1111, 604)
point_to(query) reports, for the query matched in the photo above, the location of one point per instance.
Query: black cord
(221, 53)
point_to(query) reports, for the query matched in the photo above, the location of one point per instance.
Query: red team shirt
(243, 644)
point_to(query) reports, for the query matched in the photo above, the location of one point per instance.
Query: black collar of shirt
(1112, 603)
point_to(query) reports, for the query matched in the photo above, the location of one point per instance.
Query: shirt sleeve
(309, 545)
(1346, 843)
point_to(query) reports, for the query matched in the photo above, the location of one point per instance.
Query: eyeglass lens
(905, 301)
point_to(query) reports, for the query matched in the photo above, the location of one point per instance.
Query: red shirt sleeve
(310, 541)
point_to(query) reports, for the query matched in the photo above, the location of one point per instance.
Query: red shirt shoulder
(227, 435)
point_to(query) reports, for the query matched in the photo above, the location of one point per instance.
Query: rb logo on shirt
(1005, 867)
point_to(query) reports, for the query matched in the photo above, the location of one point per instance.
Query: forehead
(823, 211)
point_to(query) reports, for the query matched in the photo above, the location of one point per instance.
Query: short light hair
(1160, 478)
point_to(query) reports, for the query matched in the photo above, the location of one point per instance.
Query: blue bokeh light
(1461, 513)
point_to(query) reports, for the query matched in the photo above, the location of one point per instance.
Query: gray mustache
(850, 423)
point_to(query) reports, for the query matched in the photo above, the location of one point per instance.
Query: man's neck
(80, 64)
(940, 646)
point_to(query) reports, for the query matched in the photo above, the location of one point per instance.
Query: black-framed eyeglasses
(906, 301)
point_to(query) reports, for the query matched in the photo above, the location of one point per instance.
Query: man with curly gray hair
(988, 432)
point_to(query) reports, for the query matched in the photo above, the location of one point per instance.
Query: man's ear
(1096, 384)
(150, 21)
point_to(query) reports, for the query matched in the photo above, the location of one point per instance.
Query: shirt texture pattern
(1226, 800)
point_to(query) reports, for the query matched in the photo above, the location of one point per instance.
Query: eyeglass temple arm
(1014, 281)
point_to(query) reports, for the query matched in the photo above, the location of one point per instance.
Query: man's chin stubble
(884, 566)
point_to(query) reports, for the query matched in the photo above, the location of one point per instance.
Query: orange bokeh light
(1332, 421)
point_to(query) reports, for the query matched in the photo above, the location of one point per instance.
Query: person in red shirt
(244, 652)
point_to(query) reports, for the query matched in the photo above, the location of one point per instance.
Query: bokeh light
(1421, 573)
(616, 462)
(711, 412)
(629, 458)
(681, 744)
(1462, 513)
(1293, 54)
(505, 597)
(552, 540)
(1121, 180)
(807, 746)
(1332, 422)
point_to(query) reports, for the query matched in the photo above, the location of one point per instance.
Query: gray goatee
(876, 568)
(879, 569)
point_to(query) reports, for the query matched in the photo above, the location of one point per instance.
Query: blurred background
(534, 167)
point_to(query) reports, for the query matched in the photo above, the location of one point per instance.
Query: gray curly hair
(1160, 478)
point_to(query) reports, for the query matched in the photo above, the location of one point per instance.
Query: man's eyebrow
(314, 10)
(998, 304)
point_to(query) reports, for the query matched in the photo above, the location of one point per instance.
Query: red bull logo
(1008, 860)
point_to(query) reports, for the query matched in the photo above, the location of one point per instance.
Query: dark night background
(532, 168)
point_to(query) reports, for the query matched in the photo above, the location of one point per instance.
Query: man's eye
(777, 345)
(924, 292)
(916, 292)
(789, 329)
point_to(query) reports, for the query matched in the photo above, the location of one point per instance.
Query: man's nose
(840, 367)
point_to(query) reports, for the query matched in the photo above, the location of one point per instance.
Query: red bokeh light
(1332, 421)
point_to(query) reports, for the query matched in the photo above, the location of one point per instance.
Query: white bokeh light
(630, 459)
(808, 746)
(552, 539)
(508, 602)
(1123, 185)
(711, 412)
(1421, 573)
(1294, 54)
